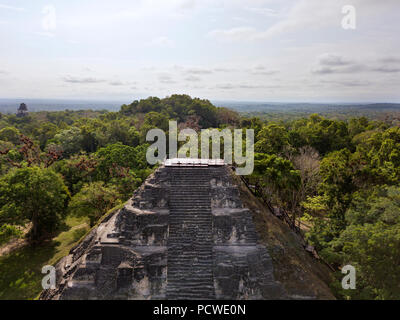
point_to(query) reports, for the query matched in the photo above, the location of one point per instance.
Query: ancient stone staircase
(190, 242)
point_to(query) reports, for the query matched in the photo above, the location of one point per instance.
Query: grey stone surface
(184, 235)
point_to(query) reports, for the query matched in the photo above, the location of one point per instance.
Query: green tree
(94, 200)
(8, 232)
(252, 123)
(76, 171)
(358, 125)
(10, 134)
(156, 120)
(322, 134)
(126, 181)
(116, 156)
(278, 178)
(35, 195)
(335, 192)
(374, 249)
(70, 140)
(271, 139)
(371, 243)
(44, 132)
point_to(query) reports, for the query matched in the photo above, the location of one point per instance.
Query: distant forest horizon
(10, 105)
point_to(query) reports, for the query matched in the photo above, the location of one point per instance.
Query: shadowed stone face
(184, 235)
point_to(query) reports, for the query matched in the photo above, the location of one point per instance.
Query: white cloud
(187, 4)
(222, 69)
(45, 34)
(305, 14)
(329, 63)
(263, 11)
(262, 70)
(164, 42)
(165, 78)
(117, 83)
(390, 60)
(49, 21)
(348, 82)
(331, 59)
(198, 71)
(313, 14)
(387, 69)
(234, 34)
(7, 7)
(81, 80)
(245, 86)
(192, 79)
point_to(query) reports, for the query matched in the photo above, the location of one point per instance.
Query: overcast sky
(261, 50)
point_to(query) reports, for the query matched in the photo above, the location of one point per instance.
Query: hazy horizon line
(124, 101)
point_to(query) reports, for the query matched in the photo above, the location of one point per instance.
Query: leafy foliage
(8, 232)
(94, 200)
(36, 195)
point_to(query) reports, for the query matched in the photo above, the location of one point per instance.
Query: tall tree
(36, 195)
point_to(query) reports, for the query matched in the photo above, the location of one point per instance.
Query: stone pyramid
(184, 234)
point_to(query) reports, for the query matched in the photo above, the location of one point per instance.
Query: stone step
(185, 209)
(188, 177)
(191, 230)
(185, 276)
(193, 189)
(180, 271)
(198, 185)
(187, 203)
(196, 286)
(190, 295)
(190, 241)
(189, 216)
(183, 213)
(199, 261)
(194, 243)
(186, 206)
(195, 184)
(177, 215)
(195, 195)
(188, 234)
(188, 222)
(195, 279)
(190, 190)
(201, 256)
(185, 196)
(201, 271)
(194, 232)
(201, 251)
